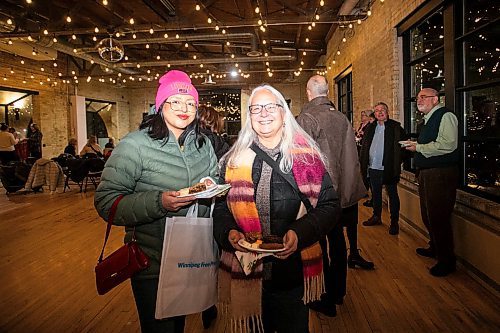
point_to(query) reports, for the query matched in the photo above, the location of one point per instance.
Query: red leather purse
(121, 264)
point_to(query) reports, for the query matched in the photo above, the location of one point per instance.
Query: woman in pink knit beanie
(146, 170)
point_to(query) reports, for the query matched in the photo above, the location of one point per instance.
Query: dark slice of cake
(196, 188)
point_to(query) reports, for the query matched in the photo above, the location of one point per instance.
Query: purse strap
(111, 217)
(286, 176)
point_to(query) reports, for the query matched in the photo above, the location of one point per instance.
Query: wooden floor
(50, 243)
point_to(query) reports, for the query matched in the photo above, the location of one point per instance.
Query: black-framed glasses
(181, 106)
(270, 108)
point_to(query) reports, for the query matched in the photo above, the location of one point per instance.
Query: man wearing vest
(436, 160)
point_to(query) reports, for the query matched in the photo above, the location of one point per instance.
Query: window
(227, 102)
(344, 85)
(452, 46)
(478, 94)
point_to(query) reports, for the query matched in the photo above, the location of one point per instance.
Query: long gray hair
(290, 130)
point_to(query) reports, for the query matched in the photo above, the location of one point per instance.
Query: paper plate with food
(206, 188)
(262, 244)
(406, 143)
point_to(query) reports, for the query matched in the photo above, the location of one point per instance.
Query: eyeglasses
(181, 106)
(270, 108)
(425, 96)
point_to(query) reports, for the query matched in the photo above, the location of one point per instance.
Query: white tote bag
(188, 270)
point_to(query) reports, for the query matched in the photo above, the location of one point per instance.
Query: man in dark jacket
(436, 159)
(381, 160)
(335, 137)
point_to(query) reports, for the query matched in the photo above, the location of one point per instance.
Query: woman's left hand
(291, 241)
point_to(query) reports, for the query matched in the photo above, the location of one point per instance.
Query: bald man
(335, 137)
(436, 160)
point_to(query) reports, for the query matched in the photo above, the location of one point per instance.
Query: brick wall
(374, 54)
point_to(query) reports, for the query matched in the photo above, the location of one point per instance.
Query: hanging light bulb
(304, 53)
(28, 2)
(359, 21)
(94, 39)
(198, 7)
(369, 13)
(344, 39)
(22, 62)
(126, 59)
(165, 35)
(68, 19)
(96, 30)
(186, 45)
(321, 3)
(209, 20)
(151, 31)
(73, 37)
(134, 36)
(177, 36)
(30, 38)
(338, 52)
(158, 57)
(117, 34)
(350, 25)
(317, 17)
(131, 21)
(223, 31)
(147, 46)
(309, 27)
(45, 32)
(313, 24)
(257, 10)
(9, 42)
(9, 21)
(228, 43)
(307, 40)
(105, 2)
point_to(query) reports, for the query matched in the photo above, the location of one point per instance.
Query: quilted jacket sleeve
(119, 177)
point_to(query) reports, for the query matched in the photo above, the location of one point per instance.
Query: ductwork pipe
(187, 38)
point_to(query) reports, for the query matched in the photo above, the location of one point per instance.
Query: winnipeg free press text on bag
(188, 270)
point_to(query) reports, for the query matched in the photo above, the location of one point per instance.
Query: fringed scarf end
(314, 287)
(247, 324)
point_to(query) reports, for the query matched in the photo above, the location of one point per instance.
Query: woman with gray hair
(276, 171)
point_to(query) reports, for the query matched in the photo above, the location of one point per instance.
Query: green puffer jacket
(141, 169)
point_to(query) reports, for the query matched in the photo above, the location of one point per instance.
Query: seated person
(91, 148)
(108, 148)
(71, 147)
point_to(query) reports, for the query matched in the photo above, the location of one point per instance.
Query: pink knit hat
(172, 83)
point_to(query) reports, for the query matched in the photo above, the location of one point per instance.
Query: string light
(369, 13)
(68, 19)
(9, 42)
(30, 38)
(209, 20)
(198, 7)
(105, 2)
(131, 21)
(317, 17)
(96, 30)
(45, 32)
(73, 36)
(165, 35)
(134, 36)
(28, 2)
(177, 36)
(321, 3)
(257, 10)
(9, 21)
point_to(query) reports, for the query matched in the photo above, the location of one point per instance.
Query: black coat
(220, 146)
(284, 207)
(393, 152)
